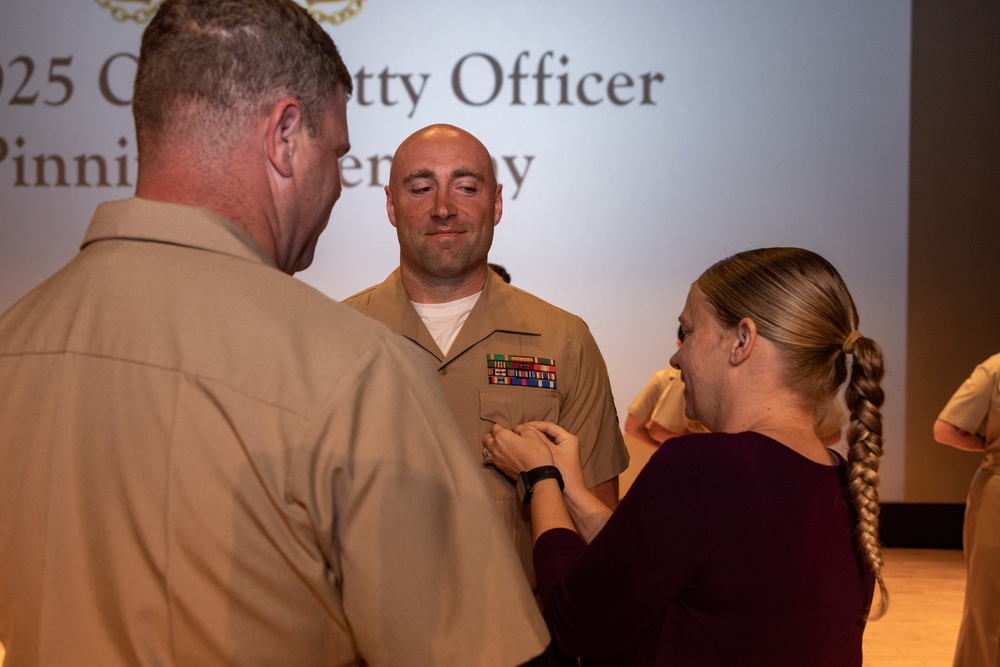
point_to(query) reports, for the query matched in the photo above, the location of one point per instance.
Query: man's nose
(443, 205)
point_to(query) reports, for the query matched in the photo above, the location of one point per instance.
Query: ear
(284, 126)
(390, 207)
(743, 342)
(498, 205)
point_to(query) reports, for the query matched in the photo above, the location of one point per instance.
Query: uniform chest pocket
(509, 406)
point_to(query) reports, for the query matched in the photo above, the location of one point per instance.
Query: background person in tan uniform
(971, 422)
(503, 356)
(206, 461)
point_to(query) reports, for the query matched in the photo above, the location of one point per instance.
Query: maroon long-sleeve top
(729, 549)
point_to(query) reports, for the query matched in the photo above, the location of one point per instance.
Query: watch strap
(528, 478)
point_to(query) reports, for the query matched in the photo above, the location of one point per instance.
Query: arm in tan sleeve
(948, 434)
(963, 419)
(427, 572)
(590, 413)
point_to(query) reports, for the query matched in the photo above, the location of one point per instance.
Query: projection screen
(637, 143)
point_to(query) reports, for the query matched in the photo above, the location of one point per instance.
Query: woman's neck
(781, 419)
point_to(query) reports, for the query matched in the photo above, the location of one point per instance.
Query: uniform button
(443, 371)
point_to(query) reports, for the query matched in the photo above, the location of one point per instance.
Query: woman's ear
(743, 342)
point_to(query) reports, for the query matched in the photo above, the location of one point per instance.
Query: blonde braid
(864, 397)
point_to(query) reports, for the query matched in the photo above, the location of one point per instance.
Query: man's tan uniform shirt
(204, 461)
(975, 408)
(516, 359)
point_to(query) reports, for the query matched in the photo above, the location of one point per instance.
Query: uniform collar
(139, 219)
(499, 309)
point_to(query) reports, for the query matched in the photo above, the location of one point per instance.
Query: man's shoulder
(515, 309)
(535, 306)
(292, 310)
(338, 343)
(367, 298)
(992, 365)
(361, 300)
(985, 377)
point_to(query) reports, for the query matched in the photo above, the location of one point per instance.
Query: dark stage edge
(922, 525)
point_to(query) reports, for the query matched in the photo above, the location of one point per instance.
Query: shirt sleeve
(970, 404)
(414, 541)
(591, 415)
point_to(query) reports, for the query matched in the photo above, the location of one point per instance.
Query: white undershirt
(445, 320)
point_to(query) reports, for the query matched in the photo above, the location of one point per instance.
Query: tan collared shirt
(975, 408)
(204, 461)
(508, 325)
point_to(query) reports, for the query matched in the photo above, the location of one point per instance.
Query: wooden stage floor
(926, 588)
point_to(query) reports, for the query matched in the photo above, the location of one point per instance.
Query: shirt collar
(159, 222)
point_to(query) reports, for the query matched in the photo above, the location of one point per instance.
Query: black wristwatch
(526, 481)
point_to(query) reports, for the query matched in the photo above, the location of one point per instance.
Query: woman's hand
(515, 450)
(535, 444)
(565, 450)
(523, 448)
(588, 513)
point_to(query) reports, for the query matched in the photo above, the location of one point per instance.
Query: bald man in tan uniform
(503, 355)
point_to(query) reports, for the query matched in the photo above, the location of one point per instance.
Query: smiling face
(702, 359)
(443, 200)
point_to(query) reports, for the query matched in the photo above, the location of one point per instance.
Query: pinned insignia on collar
(521, 371)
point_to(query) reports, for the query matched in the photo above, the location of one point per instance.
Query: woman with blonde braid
(753, 544)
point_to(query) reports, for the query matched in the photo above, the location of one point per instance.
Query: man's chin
(305, 261)
(450, 265)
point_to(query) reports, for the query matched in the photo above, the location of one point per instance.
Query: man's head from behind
(217, 64)
(444, 200)
(239, 108)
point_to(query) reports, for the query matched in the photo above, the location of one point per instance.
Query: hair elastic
(850, 340)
